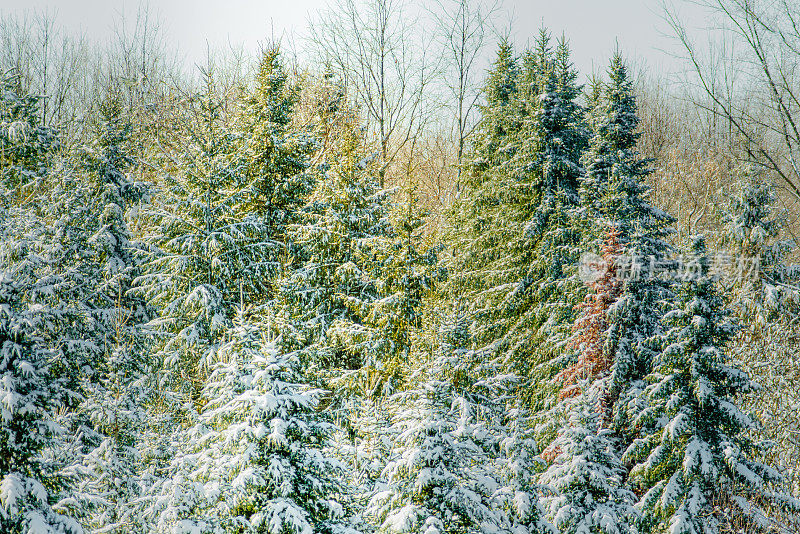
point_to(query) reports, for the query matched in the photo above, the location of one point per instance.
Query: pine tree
(328, 298)
(206, 254)
(30, 481)
(115, 195)
(519, 495)
(205, 257)
(696, 465)
(273, 158)
(26, 147)
(757, 255)
(254, 462)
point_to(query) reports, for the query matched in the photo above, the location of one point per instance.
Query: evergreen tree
(470, 218)
(26, 147)
(103, 350)
(272, 157)
(613, 195)
(514, 248)
(757, 255)
(698, 455)
(439, 477)
(344, 228)
(31, 482)
(762, 290)
(498, 121)
(516, 468)
(254, 462)
(587, 477)
(115, 403)
(36, 317)
(205, 257)
(211, 247)
(409, 272)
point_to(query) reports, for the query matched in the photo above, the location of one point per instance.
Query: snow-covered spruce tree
(205, 256)
(39, 325)
(391, 331)
(513, 248)
(763, 292)
(439, 478)
(409, 272)
(516, 466)
(26, 147)
(751, 229)
(468, 220)
(696, 465)
(30, 482)
(115, 195)
(112, 415)
(613, 194)
(343, 226)
(586, 478)
(347, 304)
(254, 462)
(272, 157)
(498, 120)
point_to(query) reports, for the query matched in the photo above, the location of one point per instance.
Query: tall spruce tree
(513, 246)
(587, 478)
(272, 157)
(32, 318)
(696, 465)
(113, 414)
(205, 256)
(439, 477)
(613, 195)
(344, 226)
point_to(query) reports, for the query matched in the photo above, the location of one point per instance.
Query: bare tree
(48, 63)
(464, 29)
(382, 62)
(749, 79)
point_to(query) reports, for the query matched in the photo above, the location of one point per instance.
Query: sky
(594, 27)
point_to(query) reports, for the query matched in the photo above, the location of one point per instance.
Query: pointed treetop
(502, 79)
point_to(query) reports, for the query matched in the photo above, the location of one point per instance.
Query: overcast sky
(594, 27)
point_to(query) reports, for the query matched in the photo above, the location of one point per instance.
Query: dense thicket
(250, 323)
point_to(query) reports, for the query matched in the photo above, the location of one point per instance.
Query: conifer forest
(403, 275)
